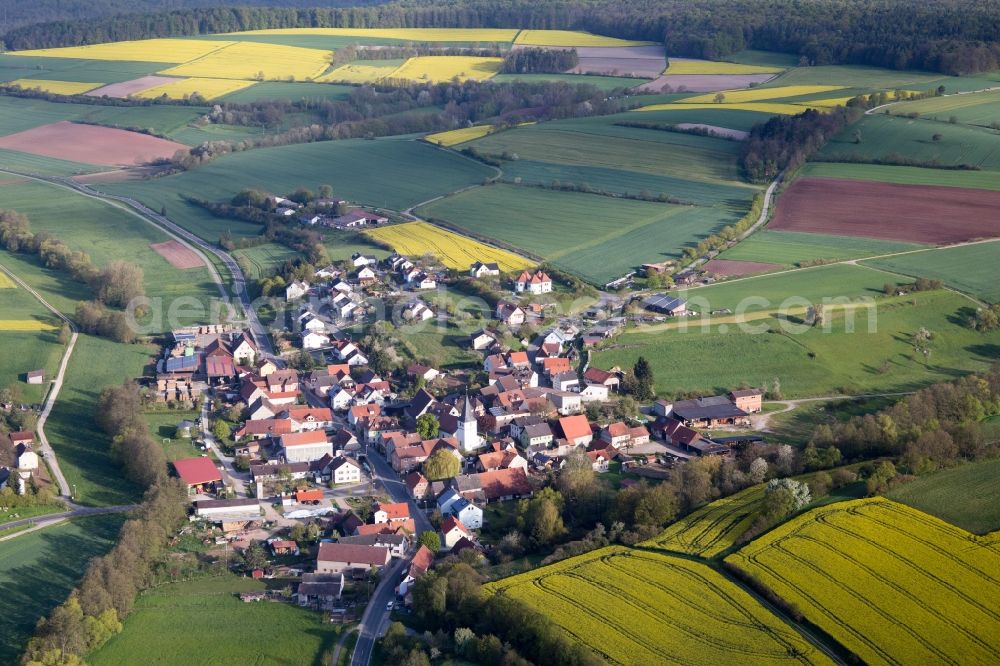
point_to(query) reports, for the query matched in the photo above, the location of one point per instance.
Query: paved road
(46, 450)
(50, 519)
(375, 619)
(240, 479)
(388, 479)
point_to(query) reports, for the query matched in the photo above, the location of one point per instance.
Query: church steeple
(468, 427)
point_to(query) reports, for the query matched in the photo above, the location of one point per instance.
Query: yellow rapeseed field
(775, 108)
(828, 103)
(418, 238)
(356, 73)
(890, 583)
(682, 66)
(455, 137)
(405, 34)
(6, 282)
(145, 50)
(633, 607)
(183, 88)
(25, 325)
(251, 60)
(713, 528)
(758, 94)
(440, 69)
(55, 87)
(570, 38)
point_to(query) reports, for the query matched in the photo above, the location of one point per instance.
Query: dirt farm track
(91, 144)
(922, 214)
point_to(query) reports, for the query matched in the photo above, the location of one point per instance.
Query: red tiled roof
(617, 429)
(518, 358)
(196, 471)
(504, 482)
(359, 411)
(596, 375)
(219, 366)
(316, 413)
(556, 365)
(422, 561)
(394, 511)
(266, 427)
(574, 427)
(308, 438)
(22, 436)
(308, 495)
(350, 553)
(451, 522)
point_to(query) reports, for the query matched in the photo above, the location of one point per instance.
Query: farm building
(334, 558)
(305, 446)
(665, 304)
(320, 590)
(227, 510)
(712, 412)
(749, 400)
(36, 376)
(199, 474)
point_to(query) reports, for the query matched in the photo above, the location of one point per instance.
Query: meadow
(458, 252)
(395, 173)
(963, 495)
(666, 112)
(84, 450)
(636, 607)
(596, 237)
(106, 232)
(713, 528)
(287, 90)
(815, 363)
(163, 428)
(25, 349)
(968, 268)
(973, 109)
(38, 570)
(792, 247)
(17, 115)
(270, 632)
(904, 175)
(890, 583)
(596, 142)
(885, 136)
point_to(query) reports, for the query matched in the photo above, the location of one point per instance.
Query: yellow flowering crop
(25, 325)
(440, 69)
(455, 251)
(570, 38)
(252, 60)
(143, 50)
(56, 87)
(758, 94)
(404, 34)
(183, 88)
(455, 137)
(682, 66)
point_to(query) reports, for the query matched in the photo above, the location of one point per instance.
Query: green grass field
(968, 268)
(973, 109)
(38, 570)
(791, 247)
(904, 175)
(27, 350)
(602, 82)
(816, 363)
(731, 118)
(76, 69)
(18, 114)
(764, 58)
(106, 232)
(597, 142)
(395, 173)
(82, 447)
(163, 427)
(887, 136)
(857, 76)
(963, 495)
(290, 91)
(197, 621)
(43, 165)
(597, 237)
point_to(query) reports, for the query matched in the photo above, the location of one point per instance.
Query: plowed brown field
(91, 144)
(921, 214)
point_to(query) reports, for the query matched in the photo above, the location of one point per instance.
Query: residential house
(421, 562)
(452, 530)
(366, 276)
(576, 430)
(334, 558)
(505, 459)
(360, 260)
(320, 591)
(605, 378)
(510, 313)
(616, 434)
(344, 470)
(479, 269)
(468, 513)
(533, 283)
(312, 340)
(447, 499)
(482, 339)
(418, 371)
(498, 486)
(264, 428)
(594, 393)
(391, 512)
(565, 402)
(555, 365)
(296, 290)
(417, 311)
(308, 418)
(565, 381)
(396, 543)
(417, 485)
(600, 459)
(537, 435)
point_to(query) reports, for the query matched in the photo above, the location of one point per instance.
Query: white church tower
(468, 429)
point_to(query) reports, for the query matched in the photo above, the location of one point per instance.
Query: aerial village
(324, 449)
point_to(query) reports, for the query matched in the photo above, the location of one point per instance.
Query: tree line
(786, 142)
(949, 36)
(537, 60)
(114, 286)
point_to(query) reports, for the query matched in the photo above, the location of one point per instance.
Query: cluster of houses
(200, 357)
(324, 212)
(25, 462)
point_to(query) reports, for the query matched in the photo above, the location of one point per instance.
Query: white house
(467, 512)
(344, 470)
(452, 531)
(594, 392)
(296, 290)
(360, 260)
(366, 274)
(418, 312)
(314, 340)
(479, 269)
(537, 283)
(244, 350)
(447, 500)
(311, 322)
